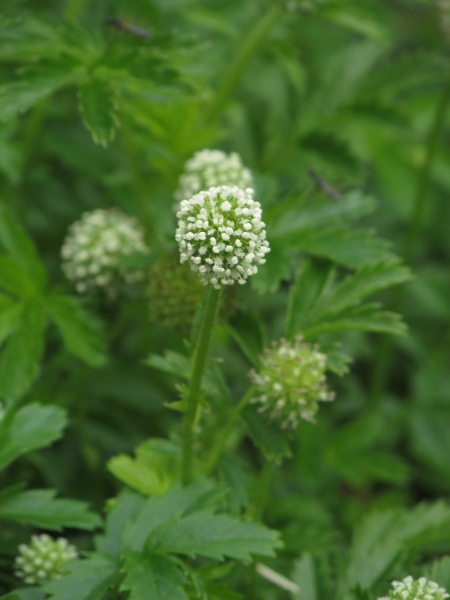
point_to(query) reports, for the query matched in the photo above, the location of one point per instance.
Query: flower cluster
(212, 168)
(44, 559)
(416, 589)
(221, 235)
(291, 382)
(94, 250)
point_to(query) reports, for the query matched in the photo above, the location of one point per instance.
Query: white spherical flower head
(221, 235)
(212, 168)
(43, 559)
(290, 382)
(94, 250)
(416, 589)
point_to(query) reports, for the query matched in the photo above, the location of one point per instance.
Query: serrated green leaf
(366, 281)
(355, 453)
(30, 428)
(311, 284)
(153, 576)
(368, 317)
(382, 536)
(213, 536)
(19, 361)
(351, 248)
(20, 247)
(272, 442)
(304, 576)
(290, 218)
(36, 84)
(177, 502)
(88, 579)
(121, 510)
(41, 509)
(96, 98)
(78, 329)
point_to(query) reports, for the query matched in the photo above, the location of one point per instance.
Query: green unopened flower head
(174, 293)
(291, 382)
(416, 589)
(212, 168)
(43, 559)
(95, 248)
(221, 235)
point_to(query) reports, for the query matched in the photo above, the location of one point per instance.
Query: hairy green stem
(192, 400)
(381, 370)
(247, 49)
(225, 431)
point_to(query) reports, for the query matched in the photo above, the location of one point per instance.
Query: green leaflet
(77, 328)
(96, 98)
(154, 470)
(382, 536)
(153, 576)
(20, 247)
(41, 509)
(19, 361)
(89, 579)
(36, 84)
(213, 536)
(120, 511)
(30, 428)
(272, 441)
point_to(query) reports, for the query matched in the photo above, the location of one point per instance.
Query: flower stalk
(193, 405)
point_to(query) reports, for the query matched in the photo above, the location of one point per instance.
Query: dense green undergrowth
(152, 420)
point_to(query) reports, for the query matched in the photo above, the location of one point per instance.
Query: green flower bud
(212, 168)
(415, 589)
(44, 559)
(174, 293)
(221, 235)
(290, 383)
(95, 247)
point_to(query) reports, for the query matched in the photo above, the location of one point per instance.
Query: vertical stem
(193, 393)
(248, 47)
(381, 369)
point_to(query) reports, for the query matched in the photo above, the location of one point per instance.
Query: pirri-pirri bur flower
(290, 382)
(415, 589)
(212, 168)
(94, 250)
(43, 559)
(221, 235)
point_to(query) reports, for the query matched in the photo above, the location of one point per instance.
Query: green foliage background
(93, 116)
